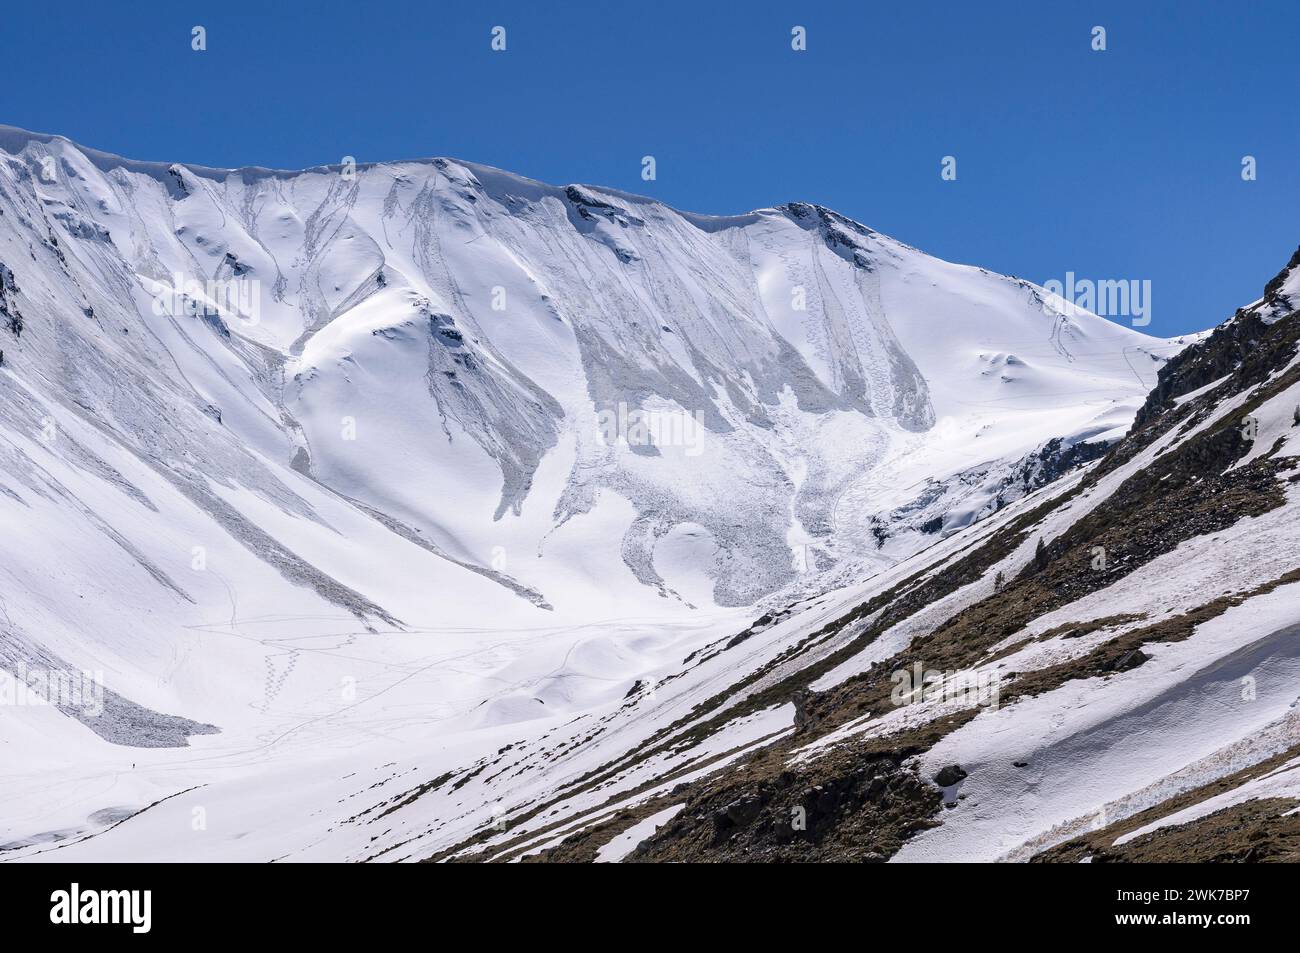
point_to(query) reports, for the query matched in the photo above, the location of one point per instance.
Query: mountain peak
(525, 465)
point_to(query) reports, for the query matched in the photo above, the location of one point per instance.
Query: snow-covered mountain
(402, 491)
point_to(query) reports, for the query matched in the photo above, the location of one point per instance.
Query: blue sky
(1122, 164)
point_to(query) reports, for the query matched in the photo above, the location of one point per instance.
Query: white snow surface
(624, 843)
(364, 530)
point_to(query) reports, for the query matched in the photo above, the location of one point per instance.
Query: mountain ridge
(361, 528)
(15, 138)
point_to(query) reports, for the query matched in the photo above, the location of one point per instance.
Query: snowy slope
(334, 470)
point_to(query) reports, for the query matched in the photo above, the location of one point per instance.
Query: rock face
(949, 775)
